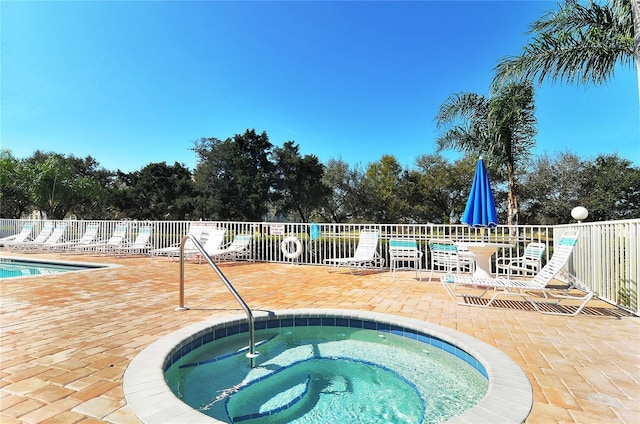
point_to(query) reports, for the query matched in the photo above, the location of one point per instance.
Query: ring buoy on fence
(286, 245)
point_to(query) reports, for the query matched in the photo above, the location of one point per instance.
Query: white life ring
(285, 247)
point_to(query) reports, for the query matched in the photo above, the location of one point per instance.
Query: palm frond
(460, 107)
(458, 138)
(576, 43)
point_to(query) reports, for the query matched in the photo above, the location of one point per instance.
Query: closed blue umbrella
(481, 206)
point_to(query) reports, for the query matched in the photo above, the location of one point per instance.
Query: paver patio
(67, 339)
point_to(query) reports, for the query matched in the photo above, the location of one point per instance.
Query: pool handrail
(252, 354)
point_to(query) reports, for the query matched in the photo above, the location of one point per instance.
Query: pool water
(326, 374)
(10, 268)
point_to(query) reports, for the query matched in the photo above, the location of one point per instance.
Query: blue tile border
(382, 327)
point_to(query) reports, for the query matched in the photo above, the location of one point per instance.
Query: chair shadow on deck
(551, 307)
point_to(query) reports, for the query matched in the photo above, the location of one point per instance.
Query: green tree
(234, 176)
(298, 182)
(61, 185)
(552, 188)
(441, 188)
(97, 183)
(610, 189)
(608, 186)
(342, 182)
(410, 191)
(501, 128)
(381, 185)
(14, 186)
(156, 192)
(578, 43)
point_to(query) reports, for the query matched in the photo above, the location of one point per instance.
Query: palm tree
(578, 43)
(501, 128)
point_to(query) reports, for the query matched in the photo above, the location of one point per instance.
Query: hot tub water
(323, 374)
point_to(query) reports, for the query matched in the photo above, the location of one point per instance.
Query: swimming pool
(18, 267)
(508, 398)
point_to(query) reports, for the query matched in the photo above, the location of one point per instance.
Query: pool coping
(90, 266)
(509, 397)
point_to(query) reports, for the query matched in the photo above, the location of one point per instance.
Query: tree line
(246, 178)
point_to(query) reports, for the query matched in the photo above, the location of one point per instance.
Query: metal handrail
(252, 355)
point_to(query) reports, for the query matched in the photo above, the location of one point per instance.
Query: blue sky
(131, 83)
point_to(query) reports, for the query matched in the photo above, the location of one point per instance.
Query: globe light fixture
(579, 213)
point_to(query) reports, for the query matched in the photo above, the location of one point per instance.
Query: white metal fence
(605, 258)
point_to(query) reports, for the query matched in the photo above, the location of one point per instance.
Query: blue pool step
(284, 401)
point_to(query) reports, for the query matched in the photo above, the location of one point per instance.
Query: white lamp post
(579, 213)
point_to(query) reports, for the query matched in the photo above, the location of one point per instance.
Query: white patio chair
(404, 254)
(528, 264)
(446, 257)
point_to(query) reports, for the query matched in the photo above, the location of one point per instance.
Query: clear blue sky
(131, 83)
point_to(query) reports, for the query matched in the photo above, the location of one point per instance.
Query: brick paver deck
(66, 339)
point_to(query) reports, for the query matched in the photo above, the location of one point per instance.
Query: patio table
(482, 251)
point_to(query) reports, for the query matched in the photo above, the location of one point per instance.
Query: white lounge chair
(537, 291)
(116, 239)
(44, 234)
(89, 237)
(211, 241)
(366, 254)
(239, 248)
(215, 239)
(141, 245)
(528, 264)
(20, 237)
(446, 257)
(56, 236)
(196, 230)
(404, 254)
